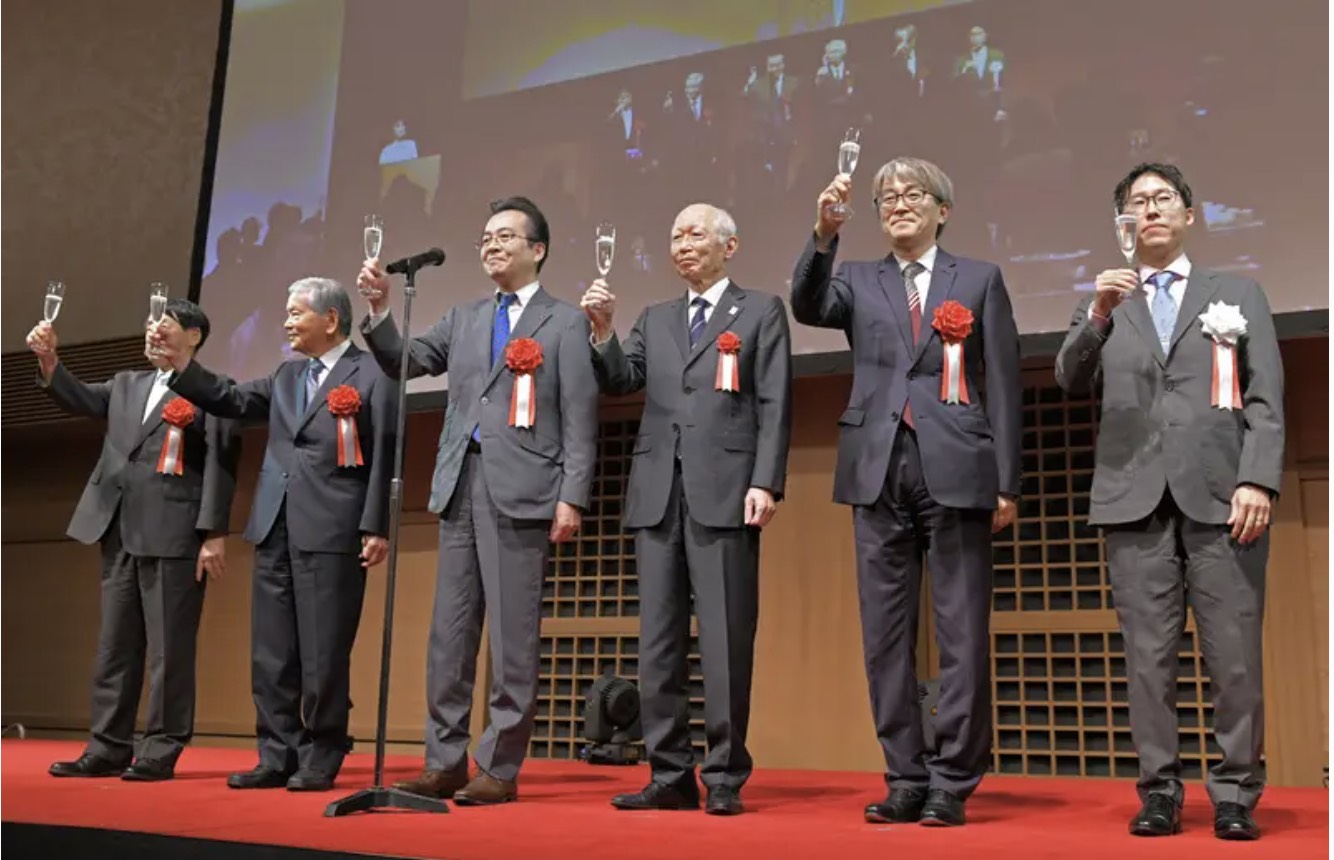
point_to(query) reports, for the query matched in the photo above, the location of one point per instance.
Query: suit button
(284, 474)
(690, 389)
(1169, 384)
(893, 416)
(912, 374)
(485, 401)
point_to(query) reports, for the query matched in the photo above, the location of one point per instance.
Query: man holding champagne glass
(158, 501)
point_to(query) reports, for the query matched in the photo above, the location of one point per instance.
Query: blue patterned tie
(314, 368)
(700, 304)
(1164, 307)
(500, 335)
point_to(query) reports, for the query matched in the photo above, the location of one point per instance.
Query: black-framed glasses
(1164, 199)
(913, 197)
(504, 237)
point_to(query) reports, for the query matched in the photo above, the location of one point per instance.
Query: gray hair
(721, 220)
(694, 79)
(916, 171)
(323, 294)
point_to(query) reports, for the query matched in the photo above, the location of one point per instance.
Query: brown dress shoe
(485, 789)
(440, 784)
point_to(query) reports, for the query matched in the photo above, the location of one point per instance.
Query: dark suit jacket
(1159, 429)
(528, 470)
(728, 441)
(329, 507)
(161, 516)
(970, 452)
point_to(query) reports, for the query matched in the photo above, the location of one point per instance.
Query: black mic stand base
(383, 798)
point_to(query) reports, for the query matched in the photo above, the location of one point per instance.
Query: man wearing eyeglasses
(1189, 459)
(929, 465)
(512, 474)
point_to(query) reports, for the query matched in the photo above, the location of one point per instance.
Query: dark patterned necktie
(700, 304)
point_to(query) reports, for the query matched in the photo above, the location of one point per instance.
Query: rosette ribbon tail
(523, 405)
(953, 387)
(1226, 393)
(728, 377)
(171, 460)
(349, 443)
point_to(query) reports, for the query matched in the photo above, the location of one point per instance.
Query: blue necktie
(700, 304)
(314, 368)
(500, 335)
(1164, 308)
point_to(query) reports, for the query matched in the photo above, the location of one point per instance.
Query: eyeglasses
(1164, 200)
(504, 237)
(913, 197)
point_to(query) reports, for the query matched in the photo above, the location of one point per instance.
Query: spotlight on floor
(611, 723)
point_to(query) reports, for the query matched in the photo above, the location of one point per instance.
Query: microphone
(432, 257)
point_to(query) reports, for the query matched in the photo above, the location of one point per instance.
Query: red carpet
(563, 813)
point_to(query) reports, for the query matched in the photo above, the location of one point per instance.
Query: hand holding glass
(372, 238)
(604, 247)
(848, 153)
(55, 294)
(1127, 233)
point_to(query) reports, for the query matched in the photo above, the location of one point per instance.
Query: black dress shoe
(260, 777)
(1233, 822)
(723, 800)
(942, 809)
(1160, 816)
(87, 765)
(902, 806)
(149, 770)
(310, 780)
(657, 795)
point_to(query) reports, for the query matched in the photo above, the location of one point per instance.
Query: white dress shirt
(330, 358)
(923, 279)
(155, 393)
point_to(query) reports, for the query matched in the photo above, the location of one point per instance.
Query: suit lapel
(337, 375)
(1136, 312)
(942, 283)
(535, 313)
(139, 391)
(678, 325)
(730, 308)
(891, 281)
(1200, 287)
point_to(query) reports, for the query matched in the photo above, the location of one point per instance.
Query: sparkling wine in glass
(1127, 231)
(373, 236)
(848, 153)
(157, 305)
(55, 294)
(604, 247)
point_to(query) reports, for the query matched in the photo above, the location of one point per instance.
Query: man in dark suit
(1189, 459)
(512, 474)
(709, 466)
(319, 519)
(158, 501)
(930, 466)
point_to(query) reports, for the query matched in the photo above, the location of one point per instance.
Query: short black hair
(1170, 173)
(189, 315)
(537, 222)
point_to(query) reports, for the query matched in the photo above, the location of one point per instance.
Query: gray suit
(307, 521)
(496, 501)
(150, 526)
(698, 452)
(1167, 466)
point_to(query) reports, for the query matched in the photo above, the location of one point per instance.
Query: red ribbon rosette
(729, 373)
(344, 403)
(178, 414)
(523, 357)
(955, 323)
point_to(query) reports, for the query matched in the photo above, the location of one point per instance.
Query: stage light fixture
(611, 722)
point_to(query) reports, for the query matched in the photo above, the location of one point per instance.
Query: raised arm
(621, 367)
(76, 396)
(220, 396)
(773, 398)
(428, 354)
(821, 297)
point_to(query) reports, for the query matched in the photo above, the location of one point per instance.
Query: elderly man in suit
(512, 474)
(1189, 459)
(319, 519)
(709, 467)
(929, 460)
(158, 501)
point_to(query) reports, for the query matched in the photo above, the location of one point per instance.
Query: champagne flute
(848, 153)
(157, 307)
(372, 237)
(1127, 233)
(55, 294)
(604, 247)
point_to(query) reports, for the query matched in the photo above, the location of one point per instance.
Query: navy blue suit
(928, 492)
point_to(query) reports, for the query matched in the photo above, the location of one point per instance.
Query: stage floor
(563, 813)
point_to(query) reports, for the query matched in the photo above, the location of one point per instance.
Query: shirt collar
(1179, 267)
(927, 260)
(330, 358)
(714, 294)
(523, 295)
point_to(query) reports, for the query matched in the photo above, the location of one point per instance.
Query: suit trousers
(1157, 566)
(892, 536)
(681, 562)
(150, 612)
(489, 566)
(305, 608)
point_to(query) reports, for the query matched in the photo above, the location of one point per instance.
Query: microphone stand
(377, 796)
